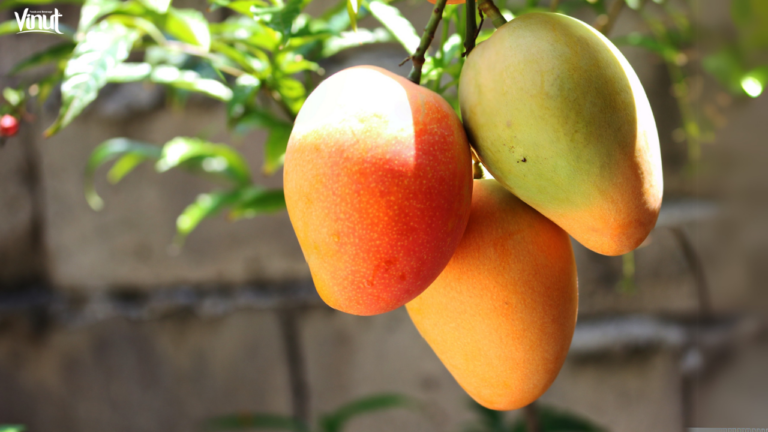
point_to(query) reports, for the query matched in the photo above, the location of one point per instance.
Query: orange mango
(378, 185)
(501, 316)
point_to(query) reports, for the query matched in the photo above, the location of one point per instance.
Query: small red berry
(8, 126)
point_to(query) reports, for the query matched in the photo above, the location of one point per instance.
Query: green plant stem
(491, 11)
(470, 31)
(426, 40)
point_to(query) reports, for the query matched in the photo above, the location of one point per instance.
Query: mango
(558, 116)
(378, 185)
(501, 316)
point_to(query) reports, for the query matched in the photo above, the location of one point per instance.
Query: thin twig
(426, 40)
(491, 11)
(605, 24)
(470, 32)
(554, 5)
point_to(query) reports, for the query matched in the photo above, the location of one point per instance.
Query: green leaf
(553, 420)
(754, 82)
(352, 9)
(391, 18)
(191, 80)
(190, 26)
(9, 27)
(14, 4)
(726, 66)
(255, 421)
(12, 428)
(92, 10)
(293, 93)
(159, 6)
(254, 201)
(217, 159)
(274, 149)
(124, 165)
(13, 96)
(751, 19)
(54, 53)
(347, 40)
(129, 72)
(104, 47)
(649, 43)
(244, 90)
(205, 206)
(259, 119)
(282, 20)
(335, 421)
(110, 150)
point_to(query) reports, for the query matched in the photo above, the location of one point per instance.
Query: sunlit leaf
(726, 66)
(753, 82)
(13, 4)
(347, 40)
(188, 25)
(205, 206)
(259, 119)
(159, 6)
(247, 421)
(218, 159)
(391, 18)
(92, 10)
(190, 80)
(254, 201)
(54, 53)
(335, 421)
(110, 150)
(103, 48)
(282, 20)
(125, 165)
(12, 428)
(244, 90)
(129, 72)
(13, 96)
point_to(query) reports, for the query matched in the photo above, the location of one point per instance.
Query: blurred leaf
(92, 10)
(190, 26)
(159, 6)
(335, 421)
(244, 90)
(352, 8)
(142, 24)
(282, 19)
(14, 4)
(9, 27)
(13, 96)
(292, 92)
(246, 61)
(391, 18)
(205, 206)
(259, 119)
(751, 19)
(217, 159)
(255, 421)
(726, 66)
(274, 148)
(107, 151)
(191, 80)
(488, 420)
(254, 201)
(103, 47)
(552, 420)
(12, 428)
(129, 72)
(347, 40)
(54, 53)
(125, 165)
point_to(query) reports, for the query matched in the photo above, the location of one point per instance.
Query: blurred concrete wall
(142, 371)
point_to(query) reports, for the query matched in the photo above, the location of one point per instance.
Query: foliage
(331, 422)
(264, 57)
(549, 420)
(12, 428)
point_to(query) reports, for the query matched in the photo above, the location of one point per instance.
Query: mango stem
(426, 40)
(491, 11)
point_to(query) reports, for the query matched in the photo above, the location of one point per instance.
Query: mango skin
(501, 316)
(559, 117)
(450, 2)
(378, 185)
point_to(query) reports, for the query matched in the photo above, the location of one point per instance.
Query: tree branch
(491, 11)
(426, 40)
(470, 32)
(605, 23)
